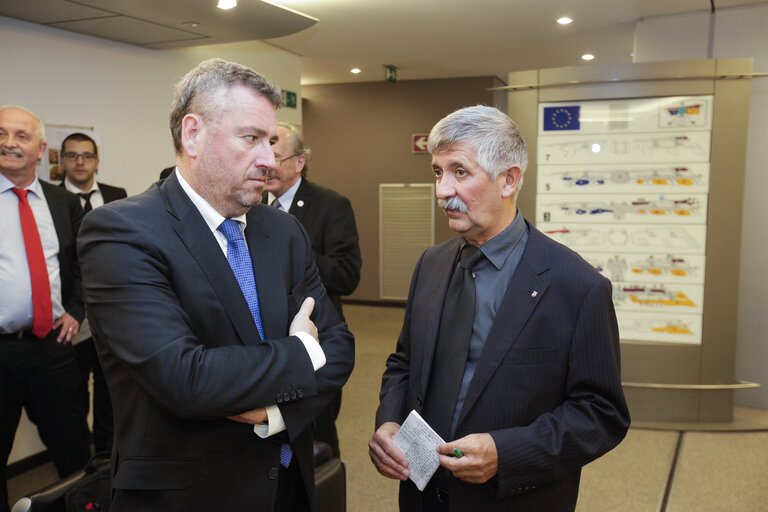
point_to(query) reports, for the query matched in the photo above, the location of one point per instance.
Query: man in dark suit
(330, 223)
(41, 305)
(80, 160)
(536, 393)
(325, 214)
(200, 301)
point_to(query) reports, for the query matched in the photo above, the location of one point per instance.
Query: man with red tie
(41, 305)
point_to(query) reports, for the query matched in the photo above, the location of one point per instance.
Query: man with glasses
(330, 222)
(80, 160)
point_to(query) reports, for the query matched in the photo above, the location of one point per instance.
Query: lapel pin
(300, 203)
(534, 293)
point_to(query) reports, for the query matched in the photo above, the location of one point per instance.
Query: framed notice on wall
(625, 183)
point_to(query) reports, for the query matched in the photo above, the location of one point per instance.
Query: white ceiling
(423, 38)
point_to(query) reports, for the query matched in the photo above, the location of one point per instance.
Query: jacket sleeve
(340, 261)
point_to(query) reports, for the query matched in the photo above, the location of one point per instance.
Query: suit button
(273, 473)
(287, 397)
(294, 395)
(279, 398)
(300, 393)
(419, 401)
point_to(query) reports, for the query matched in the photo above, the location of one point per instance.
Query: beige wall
(360, 136)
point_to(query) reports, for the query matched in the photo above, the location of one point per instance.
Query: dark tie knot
(469, 256)
(231, 230)
(86, 195)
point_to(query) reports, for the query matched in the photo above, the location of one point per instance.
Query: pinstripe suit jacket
(547, 385)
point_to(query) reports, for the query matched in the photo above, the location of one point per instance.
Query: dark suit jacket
(108, 192)
(330, 222)
(67, 215)
(546, 387)
(180, 351)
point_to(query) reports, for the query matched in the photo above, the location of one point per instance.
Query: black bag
(93, 493)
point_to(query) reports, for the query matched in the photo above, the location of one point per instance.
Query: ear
(41, 152)
(192, 125)
(301, 161)
(512, 179)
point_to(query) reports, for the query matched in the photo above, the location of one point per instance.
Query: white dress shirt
(16, 297)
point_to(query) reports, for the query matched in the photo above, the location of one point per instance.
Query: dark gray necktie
(452, 344)
(87, 196)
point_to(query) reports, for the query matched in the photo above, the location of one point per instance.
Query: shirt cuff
(275, 423)
(313, 348)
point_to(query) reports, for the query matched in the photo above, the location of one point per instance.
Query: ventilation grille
(406, 216)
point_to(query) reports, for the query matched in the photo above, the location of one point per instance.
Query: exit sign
(289, 99)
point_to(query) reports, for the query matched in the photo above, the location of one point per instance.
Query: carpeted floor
(651, 471)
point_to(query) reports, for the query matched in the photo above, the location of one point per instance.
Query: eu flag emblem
(561, 118)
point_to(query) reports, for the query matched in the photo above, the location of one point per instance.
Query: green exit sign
(289, 99)
(390, 73)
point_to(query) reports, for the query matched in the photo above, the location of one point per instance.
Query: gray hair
(298, 147)
(496, 139)
(205, 91)
(40, 132)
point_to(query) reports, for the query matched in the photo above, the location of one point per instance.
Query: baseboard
(27, 463)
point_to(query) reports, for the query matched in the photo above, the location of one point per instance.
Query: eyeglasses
(71, 155)
(281, 160)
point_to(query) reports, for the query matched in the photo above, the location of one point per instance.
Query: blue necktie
(240, 261)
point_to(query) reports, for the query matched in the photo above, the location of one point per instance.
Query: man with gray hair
(218, 341)
(41, 304)
(517, 365)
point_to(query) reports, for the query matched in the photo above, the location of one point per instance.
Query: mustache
(453, 203)
(11, 151)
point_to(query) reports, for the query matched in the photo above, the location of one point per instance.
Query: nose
(79, 157)
(444, 188)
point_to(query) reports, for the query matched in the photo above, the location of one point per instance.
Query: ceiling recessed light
(227, 4)
(564, 20)
(587, 56)
(190, 24)
(354, 70)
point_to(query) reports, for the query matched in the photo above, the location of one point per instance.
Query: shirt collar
(286, 200)
(76, 190)
(34, 187)
(209, 213)
(497, 249)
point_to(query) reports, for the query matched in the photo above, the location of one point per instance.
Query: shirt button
(273, 473)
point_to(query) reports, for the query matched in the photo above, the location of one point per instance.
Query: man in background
(80, 160)
(330, 222)
(41, 304)
(200, 300)
(509, 347)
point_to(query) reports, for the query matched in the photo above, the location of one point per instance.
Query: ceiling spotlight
(587, 56)
(564, 20)
(354, 71)
(190, 24)
(227, 4)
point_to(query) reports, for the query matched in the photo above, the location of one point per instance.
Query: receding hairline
(40, 132)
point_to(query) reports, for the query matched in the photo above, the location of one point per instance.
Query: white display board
(625, 183)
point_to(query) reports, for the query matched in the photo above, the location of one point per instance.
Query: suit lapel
(204, 249)
(299, 206)
(60, 213)
(526, 288)
(439, 275)
(266, 259)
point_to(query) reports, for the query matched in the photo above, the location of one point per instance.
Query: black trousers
(103, 422)
(41, 376)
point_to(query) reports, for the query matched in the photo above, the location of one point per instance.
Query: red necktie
(42, 309)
